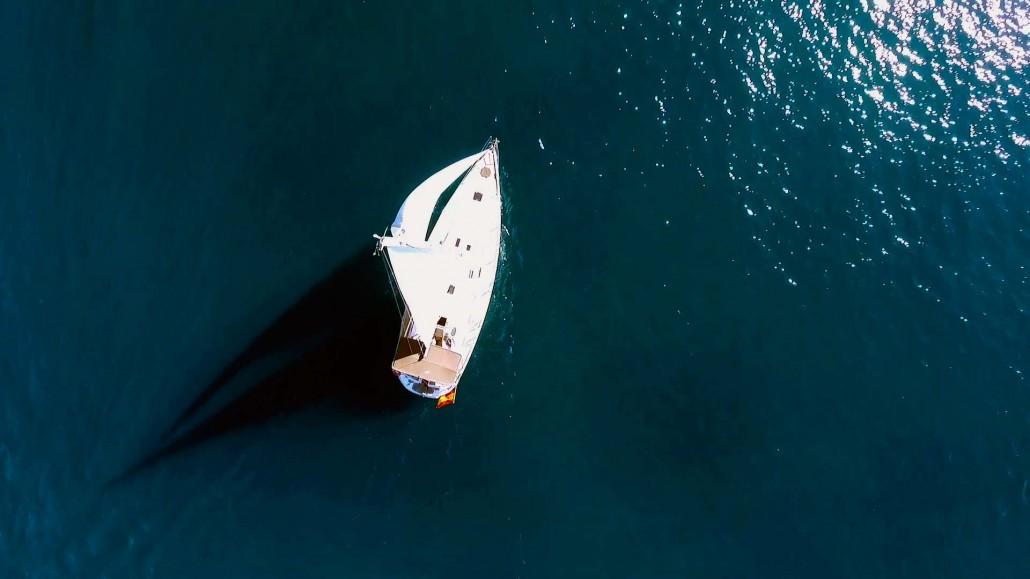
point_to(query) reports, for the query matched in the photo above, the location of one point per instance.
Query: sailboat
(444, 272)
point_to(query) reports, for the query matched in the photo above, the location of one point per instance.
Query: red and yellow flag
(446, 399)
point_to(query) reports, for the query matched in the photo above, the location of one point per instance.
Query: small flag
(446, 399)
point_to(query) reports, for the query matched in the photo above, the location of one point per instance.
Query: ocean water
(762, 310)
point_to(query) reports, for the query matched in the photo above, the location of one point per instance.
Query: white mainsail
(421, 275)
(412, 221)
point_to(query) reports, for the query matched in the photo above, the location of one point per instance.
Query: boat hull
(423, 388)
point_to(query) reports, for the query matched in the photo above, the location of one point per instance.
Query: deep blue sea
(763, 308)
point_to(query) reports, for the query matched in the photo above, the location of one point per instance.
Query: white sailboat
(445, 275)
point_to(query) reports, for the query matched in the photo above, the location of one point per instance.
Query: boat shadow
(338, 341)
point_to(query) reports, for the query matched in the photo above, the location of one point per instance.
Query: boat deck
(439, 365)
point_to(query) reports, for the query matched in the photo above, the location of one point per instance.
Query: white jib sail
(412, 220)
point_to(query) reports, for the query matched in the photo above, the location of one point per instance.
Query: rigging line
(395, 290)
(390, 274)
(390, 277)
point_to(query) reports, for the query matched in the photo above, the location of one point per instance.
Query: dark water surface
(763, 308)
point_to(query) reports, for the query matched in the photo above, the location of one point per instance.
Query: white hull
(445, 276)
